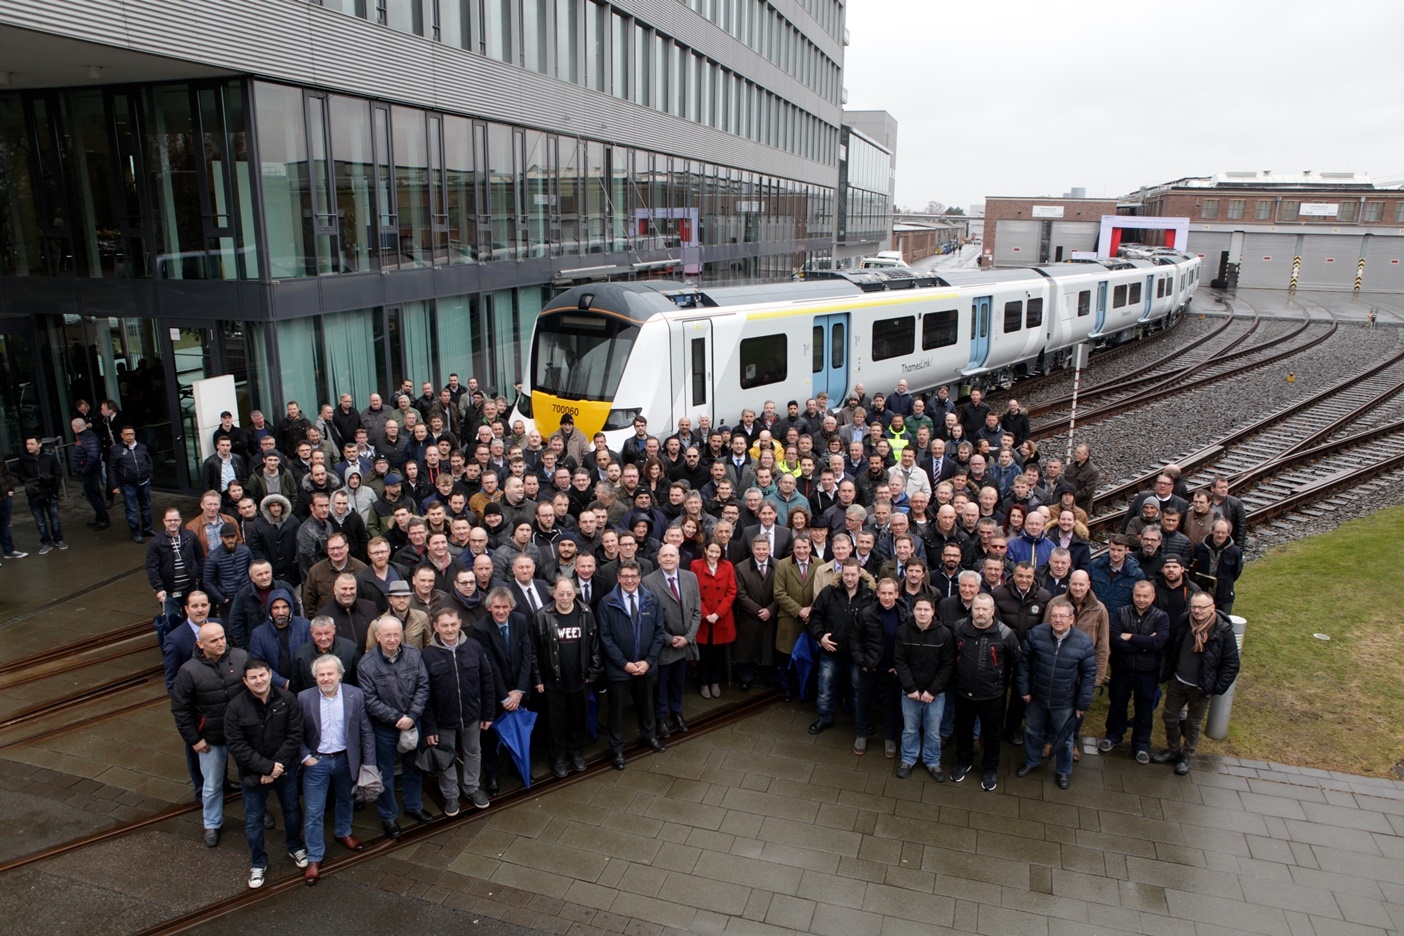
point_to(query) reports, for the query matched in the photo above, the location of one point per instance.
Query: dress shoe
(420, 815)
(391, 828)
(99, 527)
(1182, 766)
(577, 761)
(211, 838)
(745, 685)
(231, 787)
(1063, 780)
(136, 538)
(662, 728)
(617, 761)
(904, 771)
(492, 787)
(679, 723)
(268, 822)
(1024, 770)
(312, 874)
(658, 746)
(350, 842)
(820, 726)
(558, 768)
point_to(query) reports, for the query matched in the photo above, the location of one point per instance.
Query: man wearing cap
(382, 512)
(415, 623)
(396, 685)
(576, 445)
(273, 479)
(227, 572)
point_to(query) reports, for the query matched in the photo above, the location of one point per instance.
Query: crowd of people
(379, 587)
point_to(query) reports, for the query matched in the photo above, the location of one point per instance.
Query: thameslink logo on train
(919, 365)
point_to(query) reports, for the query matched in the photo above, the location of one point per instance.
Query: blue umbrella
(514, 733)
(592, 714)
(802, 660)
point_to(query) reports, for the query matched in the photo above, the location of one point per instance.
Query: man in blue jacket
(631, 635)
(87, 464)
(1057, 673)
(278, 639)
(1115, 573)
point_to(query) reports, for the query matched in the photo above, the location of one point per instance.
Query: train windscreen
(581, 357)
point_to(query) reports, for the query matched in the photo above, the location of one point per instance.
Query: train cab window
(818, 343)
(1135, 293)
(940, 329)
(838, 338)
(894, 337)
(1119, 297)
(1013, 316)
(764, 360)
(1084, 303)
(1160, 289)
(1034, 318)
(581, 357)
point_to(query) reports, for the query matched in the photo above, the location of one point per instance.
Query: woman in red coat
(716, 578)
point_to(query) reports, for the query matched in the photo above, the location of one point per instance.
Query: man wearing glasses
(631, 635)
(1201, 661)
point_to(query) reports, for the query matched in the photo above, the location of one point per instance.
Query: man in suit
(631, 636)
(755, 610)
(591, 584)
(337, 740)
(739, 466)
(531, 593)
(506, 636)
(794, 595)
(680, 599)
(768, 529)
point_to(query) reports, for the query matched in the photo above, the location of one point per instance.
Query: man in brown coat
(755, 610)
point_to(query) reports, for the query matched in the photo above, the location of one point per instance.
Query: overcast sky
(1017, 97)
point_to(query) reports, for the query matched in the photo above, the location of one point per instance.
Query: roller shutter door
(1384, 264)
(1267, 261)
(1073, 235)
(1329, 261)
(1016, 242)
(1210, 246)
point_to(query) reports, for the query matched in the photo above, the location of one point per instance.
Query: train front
(579, 354)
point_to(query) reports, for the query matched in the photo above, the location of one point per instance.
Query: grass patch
(1332, 705)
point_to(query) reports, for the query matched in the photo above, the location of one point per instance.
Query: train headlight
(622, 418)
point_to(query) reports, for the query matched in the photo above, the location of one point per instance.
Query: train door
(829, 350)
(1101, 308)
(1150, 297)
(693, 383)
(979, 331)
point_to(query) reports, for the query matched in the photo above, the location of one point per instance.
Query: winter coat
(1114, 588)
(547, 647)
(201, 693)
(865, 642)
(1058, 676)
(394, 689)
(1217, 568)
(263, 644)
(924, 659)
(259, 486)
(41, 476)
(87, 454)
(226, 573)
(261, 734)
(792, 594)
(1024, 548)
(1149, 632)
(1093, 619)
(353, 526)
(248, 611)
(1218, 665)
(621, 641)
(129, 466)
(985, 660)
(160, 561)
(837, 614)
(1022, 612)
(307, 654)
(460, 685)
(312, 543)
(718, 594)
(277, 542)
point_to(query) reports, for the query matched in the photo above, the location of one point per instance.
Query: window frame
(943, 333)
(758, 349)
(893, 337)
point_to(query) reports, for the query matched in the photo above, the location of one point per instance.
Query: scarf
(1201, 632)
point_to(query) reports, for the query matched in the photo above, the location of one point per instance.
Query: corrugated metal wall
(1384, 264)
(1328, 261)
(1210, 245)
(1267, 261)
(1017, 241)
(1073, 235)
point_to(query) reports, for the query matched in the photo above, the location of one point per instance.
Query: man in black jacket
(223, 467)
(173, 565)
(506, 637)
(203, 688)
(1201, 661)
(87, 464)
(460, 707)
(924, 660)
(325, 642)
(129, 470)
(292, 429)
(832, 619)
(987, 656)
(263, 728)
(41, 476)
(1138, 635)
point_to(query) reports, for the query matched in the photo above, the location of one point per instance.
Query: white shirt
(333, 722)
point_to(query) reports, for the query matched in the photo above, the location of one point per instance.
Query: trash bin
(1220, 707)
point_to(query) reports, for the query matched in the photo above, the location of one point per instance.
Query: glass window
(1210, 209)
(699, 370)
(300, 359)
(287, 197)
(1084, 303)
(461, 184)
(406, 16)
(355, 180)
(1013, 316)
(568, 40)
(582, 357)
(460, 338)
(1289, 210)
(101, 214)
(1399, 213)
(514, 314)
(497, 30)
(819, 349)
(1346, 212)
(323, 219)
(1374, 211)
(1034, 316)
(1135, 296)
(1119, 297)
(939, 329)
(1235, 208)
(536, 16)
(455, 17)
(541, 192)
(417, 341)
(171, 146)
(596, 29)
(503, 191)
(619, 52)
(1264, 209)
(412, 187)
(764, 360)
(838, 344)
(894, 337)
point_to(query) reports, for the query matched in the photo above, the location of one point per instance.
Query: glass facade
(865, 191)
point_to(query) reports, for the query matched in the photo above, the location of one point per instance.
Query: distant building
(866, 187)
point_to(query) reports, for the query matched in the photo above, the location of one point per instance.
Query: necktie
(673, 584)
(901, 571)
(634, 609)
(503, 628)
(802, 567)
(531, 598)
(761, 569)
(585, 591)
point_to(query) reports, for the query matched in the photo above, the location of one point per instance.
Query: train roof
(981, 277)
(643, 300)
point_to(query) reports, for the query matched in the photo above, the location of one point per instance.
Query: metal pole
(1079, 362)
(1221, 707)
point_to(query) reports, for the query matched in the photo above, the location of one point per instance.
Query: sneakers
(1182, 766)
(958, 772)
(46, 549)
(61, 544)
(904, 771)
(937, 773)
(989, 781)
(450, 808)
(299, 857)
(256, 876)
(1166, 756)
(479, 799)
(15, 554)
(889, 749)
(860, 745)
(1143, 757)
(1105, 745)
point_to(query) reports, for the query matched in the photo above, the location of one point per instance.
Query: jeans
(466, 744)
(214, 763)
(134, 496)
(830, 665)
(671, 679)
(921, 730)
(92, 493)
(256, 804)
(329, 773)
(7, 510)
(1126, 686)
(1178, 696)
(1043, 723)
(411, 780)
(46, 518)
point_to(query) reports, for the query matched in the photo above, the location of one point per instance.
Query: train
(607, 352)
